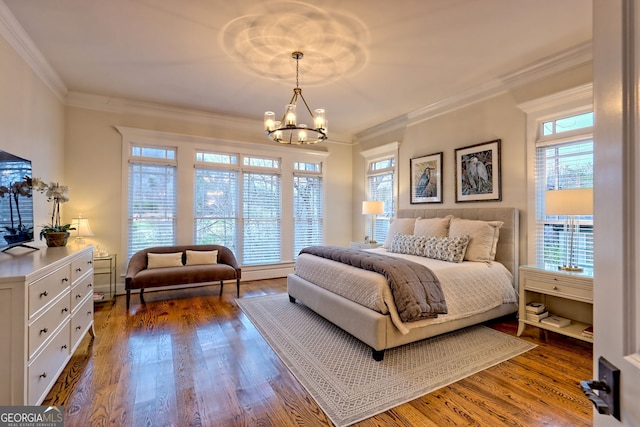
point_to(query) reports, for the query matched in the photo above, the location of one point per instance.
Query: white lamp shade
(578, 201)
(370, 207)
(82, 227)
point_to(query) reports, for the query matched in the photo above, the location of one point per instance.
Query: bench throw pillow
(172, 259)
(202, 257)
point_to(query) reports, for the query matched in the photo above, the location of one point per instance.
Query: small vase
(56, 238)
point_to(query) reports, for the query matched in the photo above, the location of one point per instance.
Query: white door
(617, 200)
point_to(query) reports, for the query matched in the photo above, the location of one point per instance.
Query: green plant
(57, 194)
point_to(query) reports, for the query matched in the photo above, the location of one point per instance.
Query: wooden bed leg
(292, 299)
(377, 355)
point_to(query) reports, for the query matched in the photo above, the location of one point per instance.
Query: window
(564, 163)
(218, 201)
(381, 185)
(307, 206)
(152, 197)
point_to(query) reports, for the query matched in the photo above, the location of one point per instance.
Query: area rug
(340, 374)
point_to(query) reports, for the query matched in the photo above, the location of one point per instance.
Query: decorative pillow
(173, 259)
(201, 257)
(399, 226)
(437, 227)
(406, 244)
(450, 249)
(483, 237)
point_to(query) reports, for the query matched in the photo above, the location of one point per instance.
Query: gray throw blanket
(415, 288)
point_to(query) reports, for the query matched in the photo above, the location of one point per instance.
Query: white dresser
(46, 308)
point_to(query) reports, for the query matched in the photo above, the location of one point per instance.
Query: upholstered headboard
(508, 243)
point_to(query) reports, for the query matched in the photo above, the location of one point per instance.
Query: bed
(332, 291)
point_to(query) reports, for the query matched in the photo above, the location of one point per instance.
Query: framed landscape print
(426, 179)
(478, 172)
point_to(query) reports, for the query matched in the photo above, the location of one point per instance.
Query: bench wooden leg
(221, 284)
(238, 287)
(128, 297)
(142, 296)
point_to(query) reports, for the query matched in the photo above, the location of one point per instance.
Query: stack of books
(556, 321)
(536, 311)
(588, 332)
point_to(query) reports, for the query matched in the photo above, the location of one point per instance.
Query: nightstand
(105, 265)
(363, 245)
(566, 294)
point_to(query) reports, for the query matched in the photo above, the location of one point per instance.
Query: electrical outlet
(610, 375)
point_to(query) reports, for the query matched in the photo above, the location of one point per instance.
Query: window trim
(568, 102)
(188, 145)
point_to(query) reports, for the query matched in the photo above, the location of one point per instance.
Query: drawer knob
(44, 294)
(78, 296)
(90, 262)
(89, 285)
(78, 269)
(64, 310)
(63, 347)
(555, 288)
(89, 313)
(44, 330)
(66, 279)
(78, 328)
(43, 375)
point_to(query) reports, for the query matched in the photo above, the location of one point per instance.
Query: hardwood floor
(191, 358)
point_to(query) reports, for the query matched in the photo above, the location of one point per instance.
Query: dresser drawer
(45, 326)
(80, 290)
(81, 266)
(81, 321)
(572, 289)
(46, 289)
(44, 369)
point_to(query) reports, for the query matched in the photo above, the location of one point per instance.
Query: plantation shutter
(261, 216)
(216, 207)
(152, 206)
(307, 211)
(563, 165)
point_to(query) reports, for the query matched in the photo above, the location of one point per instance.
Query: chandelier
(287, 130)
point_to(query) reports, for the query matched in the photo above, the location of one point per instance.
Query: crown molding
(19, 40)
(568, 59)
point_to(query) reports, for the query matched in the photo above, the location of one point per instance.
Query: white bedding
(469, 287)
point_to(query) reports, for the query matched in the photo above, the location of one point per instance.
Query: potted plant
(55, 233)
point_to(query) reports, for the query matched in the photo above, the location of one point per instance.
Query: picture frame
(478, 172)
(426, 178)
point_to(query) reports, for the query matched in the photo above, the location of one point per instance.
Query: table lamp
(373, 208)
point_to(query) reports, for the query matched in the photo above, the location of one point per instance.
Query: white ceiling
(366, 61)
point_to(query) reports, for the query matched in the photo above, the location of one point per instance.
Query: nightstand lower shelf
(573, 330)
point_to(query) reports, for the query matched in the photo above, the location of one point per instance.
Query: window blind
(566, 165)
(152, 206)
(261, 217)
(307, 212)
(216, 207)
(380, 187)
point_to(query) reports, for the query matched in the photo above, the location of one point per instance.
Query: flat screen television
(16, 202)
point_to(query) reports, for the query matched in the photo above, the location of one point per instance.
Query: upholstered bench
(163, 266)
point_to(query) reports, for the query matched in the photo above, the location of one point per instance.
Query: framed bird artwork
(426, 179)
(477, 171)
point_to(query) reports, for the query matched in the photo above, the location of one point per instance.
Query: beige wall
(495, 118)
(32, 124)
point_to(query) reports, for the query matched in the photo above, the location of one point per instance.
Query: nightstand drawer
(559, 287)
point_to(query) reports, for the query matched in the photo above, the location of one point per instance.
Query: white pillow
(398, 226)
(202, 257)
(432, 227)
(483, 237)
(172, 259)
